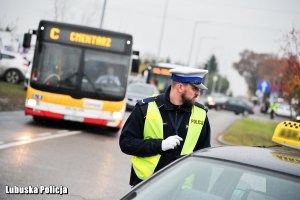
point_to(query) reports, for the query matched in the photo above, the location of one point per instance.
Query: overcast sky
(224, 28)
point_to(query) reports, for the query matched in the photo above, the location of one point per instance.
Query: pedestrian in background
(273, 107)
(163, 128)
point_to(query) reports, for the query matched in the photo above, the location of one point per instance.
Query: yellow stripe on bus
(66, 100)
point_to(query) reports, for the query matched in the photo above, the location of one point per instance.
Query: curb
(223, 142)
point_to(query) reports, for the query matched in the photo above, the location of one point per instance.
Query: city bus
(80, 74)
(159, 75)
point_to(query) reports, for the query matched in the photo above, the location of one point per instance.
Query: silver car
(138, 91)
(13, 67)
(231, 172)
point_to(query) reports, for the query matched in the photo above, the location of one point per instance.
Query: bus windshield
(159, 76)
(81, 72)
(160, 81)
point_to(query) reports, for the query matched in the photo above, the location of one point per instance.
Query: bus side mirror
(135, 62)
(27, 40)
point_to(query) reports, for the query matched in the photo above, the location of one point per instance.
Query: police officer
(160, 129)
(273, 107)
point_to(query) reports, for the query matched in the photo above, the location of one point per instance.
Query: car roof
(168, 65)
(215, 94)
(141, 84)
(10, 53)
(15, 54)
(276, 159)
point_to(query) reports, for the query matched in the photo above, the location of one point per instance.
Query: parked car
(215, 100)
(284, 110)
(13, 67)
(297, 116)
(239, 105)
(228, 172)
(138, 91)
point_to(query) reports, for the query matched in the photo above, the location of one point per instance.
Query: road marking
(28, 137)
(23, 138)
(62, 131)
(44, 134)
(12, 144)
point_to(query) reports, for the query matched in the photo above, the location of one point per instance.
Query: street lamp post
(215, 79)
(199, 46)
(217, 48)
(193, 38)
(102, 14)
(162, 29)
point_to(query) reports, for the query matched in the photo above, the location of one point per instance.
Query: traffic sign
(264, 86)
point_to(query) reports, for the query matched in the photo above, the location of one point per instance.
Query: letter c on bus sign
(54, 33)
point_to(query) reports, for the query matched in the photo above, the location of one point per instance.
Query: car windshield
(199, 178)
(249, 104)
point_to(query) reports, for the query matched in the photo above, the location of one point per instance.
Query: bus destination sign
(64, 35)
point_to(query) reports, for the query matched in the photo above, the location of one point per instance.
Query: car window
(5, 56)
(148, 90)
(241, 103)
(232, 101)
(210, 179)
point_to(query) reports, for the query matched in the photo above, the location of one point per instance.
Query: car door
(5, 62)
(1, 68)
(232, 105)
(241, 106)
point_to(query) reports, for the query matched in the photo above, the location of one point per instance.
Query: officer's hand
(171, 142)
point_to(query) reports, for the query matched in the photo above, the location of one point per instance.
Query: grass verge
(12, 96)
(250, 132)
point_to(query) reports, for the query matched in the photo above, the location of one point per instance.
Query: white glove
(171, 142)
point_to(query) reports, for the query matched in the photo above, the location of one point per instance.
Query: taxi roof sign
(287, 133)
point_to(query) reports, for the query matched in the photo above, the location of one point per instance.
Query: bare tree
(290, 82)
(248, 66)
(291, 44)
(89, 14)
(59, 10)
(8, 26)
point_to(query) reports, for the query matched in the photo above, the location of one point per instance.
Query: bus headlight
(117, 115)
(31, 102)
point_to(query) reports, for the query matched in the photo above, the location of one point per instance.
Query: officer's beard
(187, 102)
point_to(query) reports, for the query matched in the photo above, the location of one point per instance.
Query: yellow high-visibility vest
(153, 129)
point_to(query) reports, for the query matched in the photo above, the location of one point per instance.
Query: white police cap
(189, 75)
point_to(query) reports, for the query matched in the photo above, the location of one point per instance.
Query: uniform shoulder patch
(201, 106)
(146, 100)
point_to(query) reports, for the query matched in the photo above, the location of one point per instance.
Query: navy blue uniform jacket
(132, 140)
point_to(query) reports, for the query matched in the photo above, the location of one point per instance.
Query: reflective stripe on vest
(153, 129)
(196, 123)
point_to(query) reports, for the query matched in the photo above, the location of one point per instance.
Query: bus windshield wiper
(97, 90)
(67, 82)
